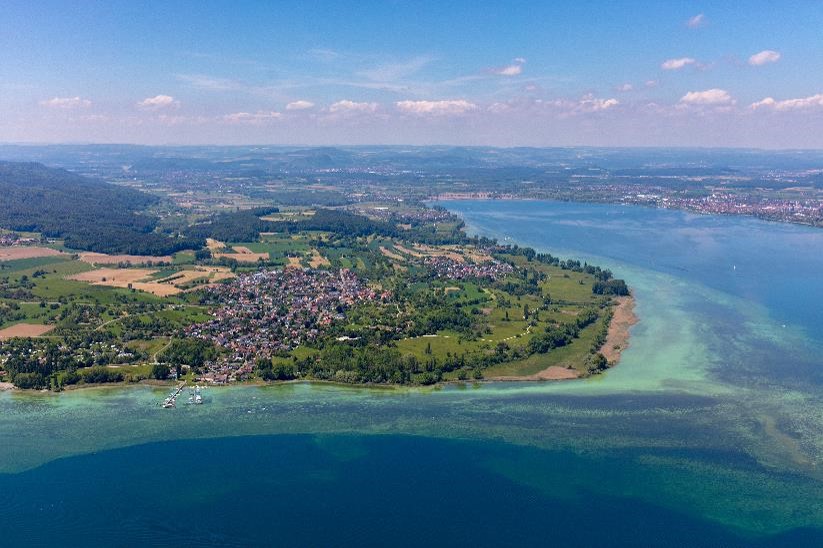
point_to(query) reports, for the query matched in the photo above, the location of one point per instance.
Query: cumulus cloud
(696, 21)
(456, 106)
(515, 68)
(251, 118)
(158, 102)
(624, 87)
(66, 102)
(352, 106)
(590, 103)
(802, 103)
(764, 58)
(709, 97)
(299, 105)
(677, 64)
(587, 104)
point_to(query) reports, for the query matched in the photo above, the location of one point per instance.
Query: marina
(171, 401)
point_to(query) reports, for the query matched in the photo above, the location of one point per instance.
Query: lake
(709, 432)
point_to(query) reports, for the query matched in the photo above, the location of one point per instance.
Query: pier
(171, 400)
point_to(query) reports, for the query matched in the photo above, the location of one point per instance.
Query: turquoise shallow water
(709, 432)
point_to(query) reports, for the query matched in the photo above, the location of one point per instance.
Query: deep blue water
(708, 433)
(305, 491)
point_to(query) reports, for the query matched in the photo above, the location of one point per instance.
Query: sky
(657, 73)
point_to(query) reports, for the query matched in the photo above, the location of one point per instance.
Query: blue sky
(507, 73)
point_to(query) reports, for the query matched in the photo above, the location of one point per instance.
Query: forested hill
(88, 214)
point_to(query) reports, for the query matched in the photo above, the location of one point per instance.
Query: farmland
(316, 294)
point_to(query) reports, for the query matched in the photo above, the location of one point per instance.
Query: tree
(596, 362)
(160, 371)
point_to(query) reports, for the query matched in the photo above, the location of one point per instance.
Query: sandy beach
(622, 321)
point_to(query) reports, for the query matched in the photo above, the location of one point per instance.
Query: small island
(378, 294)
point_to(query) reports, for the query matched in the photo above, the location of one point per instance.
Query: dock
(171, 401)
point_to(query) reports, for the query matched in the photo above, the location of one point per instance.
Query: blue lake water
(708, 433)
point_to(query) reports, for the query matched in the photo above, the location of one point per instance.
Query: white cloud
(802, 103)
(697, 21)
(585, 105)
(709, 97)
(651, 83)
(158, 101)
(677, 64)
(299, 105)
(764, 58)
(66, 102)
(352, 106)
(624, 87)
(456, 106)
(515, 68)
(589, 103)
(251, 118)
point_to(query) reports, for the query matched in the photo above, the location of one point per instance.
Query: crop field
(413, 312)
(25, 330)
(24, 252)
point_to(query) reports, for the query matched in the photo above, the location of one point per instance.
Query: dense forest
(246, 225)
(236, 226)
(88, 214)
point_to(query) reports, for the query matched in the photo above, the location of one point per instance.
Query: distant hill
(88, 214)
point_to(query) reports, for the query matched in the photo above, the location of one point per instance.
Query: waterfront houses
(273, 311)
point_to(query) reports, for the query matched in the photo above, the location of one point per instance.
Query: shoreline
(618, 337)
(617, 340)
(511, 198)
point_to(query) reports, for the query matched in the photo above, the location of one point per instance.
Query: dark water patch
(340, 490)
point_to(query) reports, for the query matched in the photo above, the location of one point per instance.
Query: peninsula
(384, 293)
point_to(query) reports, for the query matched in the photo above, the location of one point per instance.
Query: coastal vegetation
(378, 295)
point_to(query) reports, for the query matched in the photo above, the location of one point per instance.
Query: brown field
(243, 256)
(16, 252)
(113, 276)
(183, 277)
(25, 330)
(440, 252)
(471, 253)
(317, 260)
(391, 254)
(125, 277)
(408, 251)
(172, 285)
(294, 262)
(102, 258)
(214, 245)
